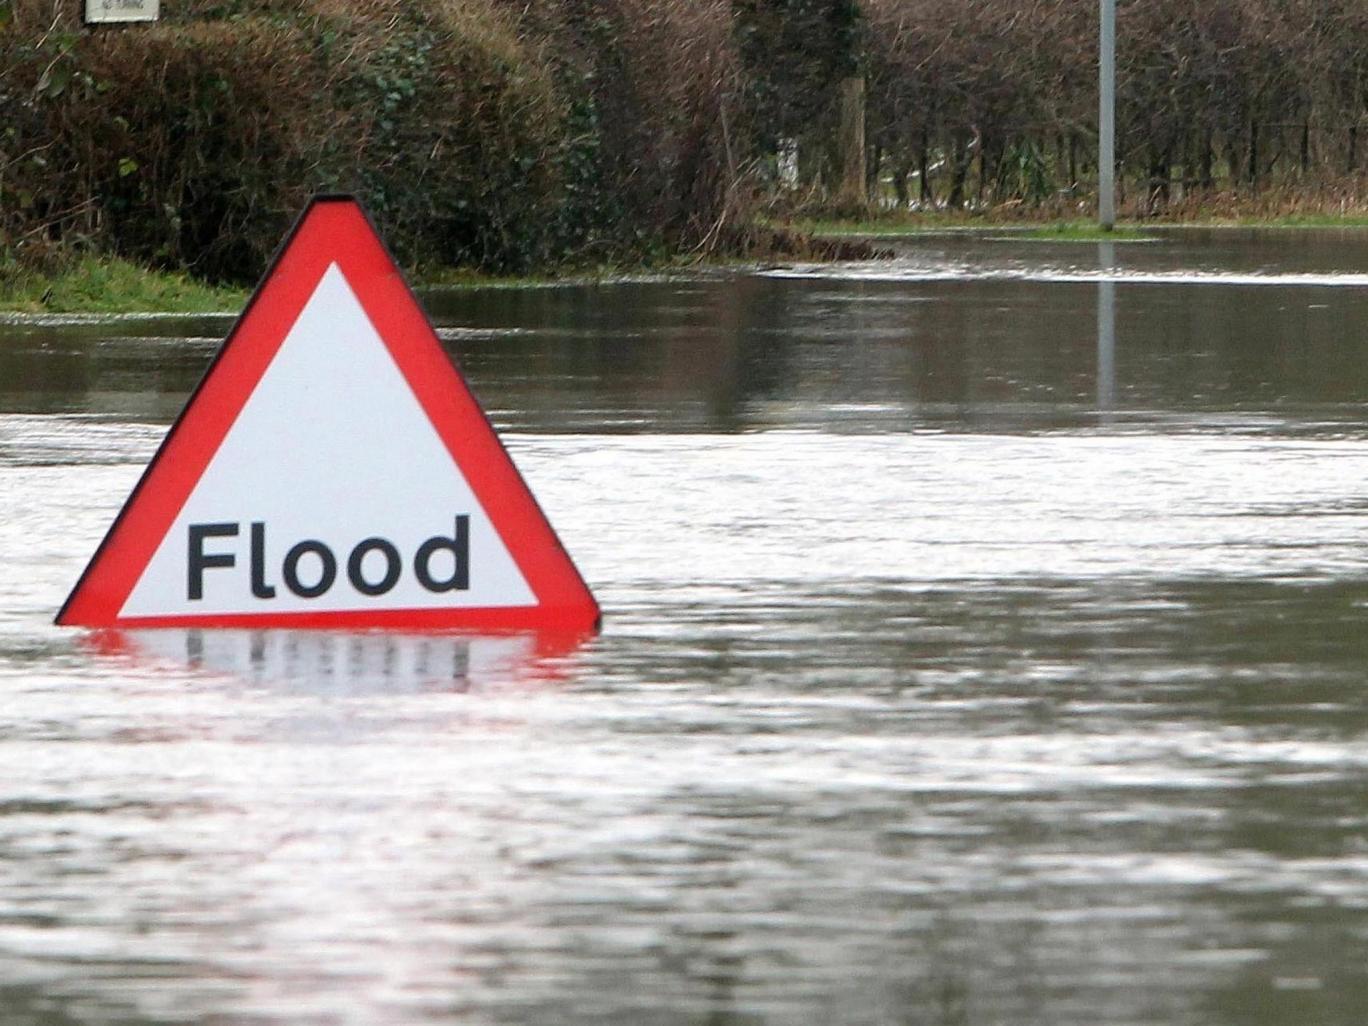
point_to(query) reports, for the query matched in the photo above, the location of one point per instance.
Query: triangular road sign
(332, 469)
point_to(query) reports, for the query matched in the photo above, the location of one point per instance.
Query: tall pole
(1106, 118)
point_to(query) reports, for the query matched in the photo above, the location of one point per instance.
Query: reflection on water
(936, 272)
(984, 650)
(1106, 329)
(342, 662)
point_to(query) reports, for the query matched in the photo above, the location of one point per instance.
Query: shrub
(192, 143)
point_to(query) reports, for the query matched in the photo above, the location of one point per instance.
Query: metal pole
(1106, 118)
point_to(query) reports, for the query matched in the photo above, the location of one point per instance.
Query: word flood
(310, 567)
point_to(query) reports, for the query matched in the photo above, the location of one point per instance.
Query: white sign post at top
(103, 12)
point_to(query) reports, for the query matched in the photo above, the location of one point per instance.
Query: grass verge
(105, 285)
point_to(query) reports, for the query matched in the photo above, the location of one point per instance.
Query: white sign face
(331, 492)
(98, 12)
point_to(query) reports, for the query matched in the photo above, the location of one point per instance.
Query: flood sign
(332, 469)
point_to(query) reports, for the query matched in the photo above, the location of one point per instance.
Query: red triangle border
(336, 229)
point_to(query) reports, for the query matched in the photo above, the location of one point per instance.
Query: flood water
(984, 643)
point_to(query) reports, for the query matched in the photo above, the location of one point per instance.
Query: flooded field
(984, 645)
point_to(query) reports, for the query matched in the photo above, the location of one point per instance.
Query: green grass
(110, 286)
(103, 285)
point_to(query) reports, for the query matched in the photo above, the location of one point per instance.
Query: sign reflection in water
(348, 662)
(1106, 328)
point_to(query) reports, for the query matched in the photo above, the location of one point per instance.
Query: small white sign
(99, 12)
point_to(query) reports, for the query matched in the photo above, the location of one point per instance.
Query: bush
(657, 154)
(454, 130)
(487, 132)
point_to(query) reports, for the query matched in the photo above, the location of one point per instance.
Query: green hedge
(502, 136)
